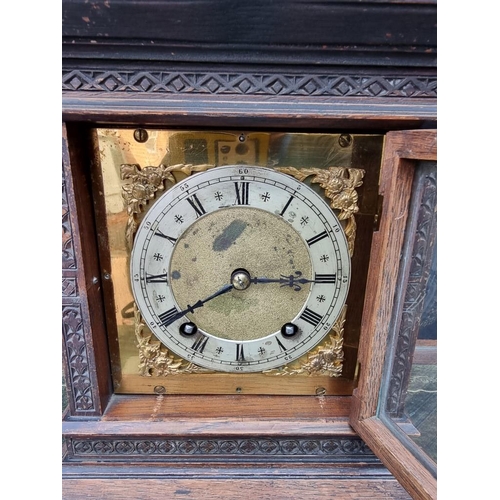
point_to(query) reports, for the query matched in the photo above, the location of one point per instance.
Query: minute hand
(196, 305)
(291, 280)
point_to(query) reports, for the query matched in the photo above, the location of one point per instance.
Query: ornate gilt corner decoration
(326, 359)
(340, 185)
(143, 186)
(155, 360)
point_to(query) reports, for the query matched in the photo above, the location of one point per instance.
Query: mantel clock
(249, 214)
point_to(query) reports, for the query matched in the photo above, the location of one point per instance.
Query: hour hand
(295, 280)
(291, 280)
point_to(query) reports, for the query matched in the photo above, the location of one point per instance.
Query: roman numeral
(195, 203)
(286, 206)
(169, 238)
(156, 278)
(316, 238)
(242, 192)
(310, 316)
(200, 343)
(168, 316)
(240, 356)
(325, 278)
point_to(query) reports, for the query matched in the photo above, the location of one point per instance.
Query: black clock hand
(196, 305)
(294, 281)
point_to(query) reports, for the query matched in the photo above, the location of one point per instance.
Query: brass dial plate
(131, 175)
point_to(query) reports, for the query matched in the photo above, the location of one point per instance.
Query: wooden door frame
(402, 151)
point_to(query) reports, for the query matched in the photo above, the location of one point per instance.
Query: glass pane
(421, 398)
(409, 395)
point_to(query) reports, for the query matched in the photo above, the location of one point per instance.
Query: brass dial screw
(141, 135)
(345, 140)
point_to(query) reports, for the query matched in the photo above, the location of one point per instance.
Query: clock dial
(232, 238)
(240, 269)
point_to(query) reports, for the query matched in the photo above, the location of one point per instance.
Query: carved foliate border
(197, 82)
(154, 448)
(339, 185)
(68, 251)
(77, 355)
(78, 381)
(421, 248)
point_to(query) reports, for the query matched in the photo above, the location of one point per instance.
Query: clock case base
(220, 447)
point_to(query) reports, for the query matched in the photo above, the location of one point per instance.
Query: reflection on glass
(421, 399)
(410, 390)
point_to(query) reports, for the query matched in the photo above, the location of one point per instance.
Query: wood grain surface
(279, 32)
(245, 488)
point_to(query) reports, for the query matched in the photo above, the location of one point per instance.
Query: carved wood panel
(242, 83)
(419, 247)
(78, 380)
(296, 447)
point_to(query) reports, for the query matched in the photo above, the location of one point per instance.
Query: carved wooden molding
(68, 251)
(112, 448)
(193, 82)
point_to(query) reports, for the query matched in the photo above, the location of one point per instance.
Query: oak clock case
(240, 269)
(228, 258)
